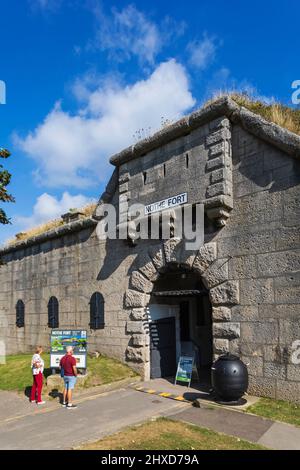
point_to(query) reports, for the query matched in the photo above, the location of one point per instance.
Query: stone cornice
(65, 229)
(285, 140)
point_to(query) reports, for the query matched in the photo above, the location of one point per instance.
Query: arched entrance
(152, 274)
(180, 321)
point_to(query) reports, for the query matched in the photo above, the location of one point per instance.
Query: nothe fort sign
(167, 203)
(148, 301)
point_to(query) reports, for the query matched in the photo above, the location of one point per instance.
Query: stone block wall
(199, 163)
(255, 265)
(262, 238)
(69, 268)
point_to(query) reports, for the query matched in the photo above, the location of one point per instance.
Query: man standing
(69, 373)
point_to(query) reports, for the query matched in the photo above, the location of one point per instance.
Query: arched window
(53, 314)
(97, 311)
(20, 314)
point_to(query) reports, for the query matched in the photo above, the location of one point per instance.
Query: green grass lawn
(16, 373)
(278, 410)
(103, 370)
(166, 434)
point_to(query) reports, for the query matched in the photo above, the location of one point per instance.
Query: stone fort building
(147, 302)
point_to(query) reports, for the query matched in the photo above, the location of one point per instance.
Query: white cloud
(127, 32)
(45, 5)
(202, 52)
(130, 33)
(49, 207)
(73, 150)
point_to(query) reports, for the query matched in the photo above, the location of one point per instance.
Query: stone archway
(223, 294)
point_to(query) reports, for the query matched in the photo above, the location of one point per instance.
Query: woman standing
(37, 367)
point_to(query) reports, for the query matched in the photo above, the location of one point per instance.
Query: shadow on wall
(263, 166)
(118, 250)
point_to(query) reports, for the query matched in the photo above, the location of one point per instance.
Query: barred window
(20, 314)
(97, 311)
(53, 313)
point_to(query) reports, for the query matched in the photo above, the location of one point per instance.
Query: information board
(60, 339)
(184, 369)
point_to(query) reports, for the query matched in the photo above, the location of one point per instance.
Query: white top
(37, 361)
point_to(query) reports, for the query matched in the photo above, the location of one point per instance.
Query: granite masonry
(246, 172)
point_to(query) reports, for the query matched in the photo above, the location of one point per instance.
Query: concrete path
(281, 436)
(195, 392)
(242, 425)
(229, 420)
(28, 426)
(274, 435)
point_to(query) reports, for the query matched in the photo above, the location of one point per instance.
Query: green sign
(184, 369)
(60, 339)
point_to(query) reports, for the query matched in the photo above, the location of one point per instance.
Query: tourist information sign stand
(185, 370)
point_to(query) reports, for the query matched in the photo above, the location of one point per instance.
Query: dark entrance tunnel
(180, 322)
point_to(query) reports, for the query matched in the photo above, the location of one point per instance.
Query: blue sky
(86, 78)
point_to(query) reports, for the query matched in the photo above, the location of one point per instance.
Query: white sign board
(80, 360)
(172, 201)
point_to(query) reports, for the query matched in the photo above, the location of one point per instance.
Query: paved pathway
(27, 426)
(274, 435)
(229, 420)
(190, 394)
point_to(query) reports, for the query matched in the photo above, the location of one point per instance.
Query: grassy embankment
(166, 434)
(277, 410)
(16, 373)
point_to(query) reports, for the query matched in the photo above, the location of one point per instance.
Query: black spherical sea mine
(229, 377)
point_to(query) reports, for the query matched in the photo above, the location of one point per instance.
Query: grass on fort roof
(167, 434)
(87, 211)
(16, 374)
(271, 110)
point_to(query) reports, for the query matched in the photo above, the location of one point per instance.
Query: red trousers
(37, 387)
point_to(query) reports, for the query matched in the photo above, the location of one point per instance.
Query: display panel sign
(60, 339)
(184, 369)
